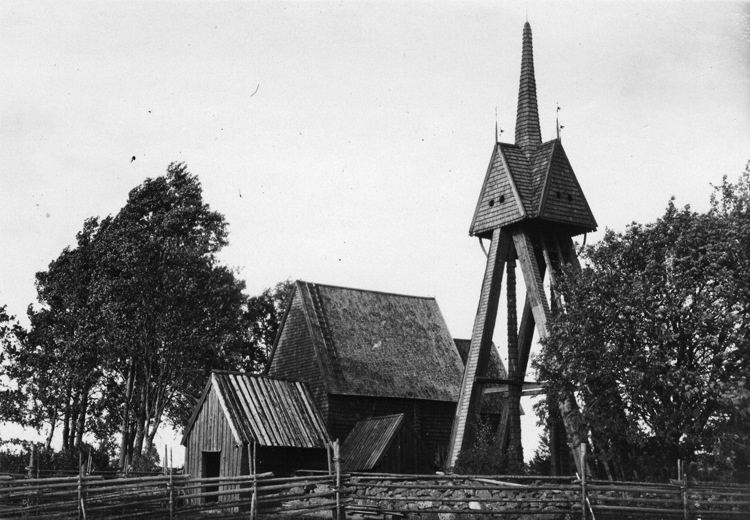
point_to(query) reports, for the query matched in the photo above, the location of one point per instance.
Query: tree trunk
(140, 426)
(75, 411)
(52, 424)
(125, 428)
(66, 421)
(82, 418)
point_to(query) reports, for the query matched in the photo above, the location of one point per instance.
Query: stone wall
(467, 499)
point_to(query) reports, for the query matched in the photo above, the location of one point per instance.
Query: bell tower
(530, 208)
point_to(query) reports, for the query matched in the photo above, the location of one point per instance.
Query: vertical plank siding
(211, 432)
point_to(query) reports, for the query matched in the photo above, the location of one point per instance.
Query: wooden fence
(367, 495)
(167, 497)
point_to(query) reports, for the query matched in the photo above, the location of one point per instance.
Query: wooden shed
(369, 354)
(385, 445)
(237, 410)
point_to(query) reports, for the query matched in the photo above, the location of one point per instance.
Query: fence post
(80, 487)
(254, 501)
(30, 469)
(171, 486)
(583, 481)
(685, 511)
(337, 465)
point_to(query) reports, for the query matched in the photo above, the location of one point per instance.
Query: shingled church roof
(374, 344)
(530, 180)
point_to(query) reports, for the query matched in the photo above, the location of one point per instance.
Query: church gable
(563, 200)
(294, 354)
(499, 203)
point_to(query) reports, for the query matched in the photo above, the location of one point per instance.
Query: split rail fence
(367, 495)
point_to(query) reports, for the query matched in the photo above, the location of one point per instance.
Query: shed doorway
(211, 468)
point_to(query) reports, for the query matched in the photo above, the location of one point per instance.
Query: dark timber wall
(431, 420)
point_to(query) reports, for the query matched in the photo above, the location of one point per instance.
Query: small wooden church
(239, 415)
(368, 354)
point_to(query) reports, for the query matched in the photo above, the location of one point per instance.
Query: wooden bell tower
(530, 207)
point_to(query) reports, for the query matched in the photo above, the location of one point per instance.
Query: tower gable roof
(521, 176)
(562, 201)
(526, 178)
(500, 201)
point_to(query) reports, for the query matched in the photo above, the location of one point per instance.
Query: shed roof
(369, 441)
(271, 412)
(379, 344)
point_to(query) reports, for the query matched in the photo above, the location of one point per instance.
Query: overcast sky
(346, 142)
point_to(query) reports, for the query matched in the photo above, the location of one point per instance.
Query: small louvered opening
(502, 199)
(559, 195)
(570, 197)
(492, 202)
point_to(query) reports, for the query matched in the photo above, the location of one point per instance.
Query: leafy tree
(264, 313)
(484, 457)
(12, 399)
(134, 318)
(654, 340)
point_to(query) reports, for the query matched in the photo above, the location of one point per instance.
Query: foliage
(484, 457)
(133, 319)
(541, 462)
(264, 313)
(653, 340)
(14, 457)
(11, 398)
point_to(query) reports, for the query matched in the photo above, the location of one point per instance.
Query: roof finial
(528, 134)
(557, 122)
(497, 136)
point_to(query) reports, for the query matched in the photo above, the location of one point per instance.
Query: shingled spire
(528, 134)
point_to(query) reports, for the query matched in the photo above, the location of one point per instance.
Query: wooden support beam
(498, 381)
(532, 277)
(510, 421)
(503, 390)
(469, 399)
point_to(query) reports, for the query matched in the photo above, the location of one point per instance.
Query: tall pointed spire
(528, 134)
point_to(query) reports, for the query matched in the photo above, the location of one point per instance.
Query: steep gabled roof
(375, 344)
(521, 176)
(496, 368)
(270, 411)
(500, 201)
(531, 175)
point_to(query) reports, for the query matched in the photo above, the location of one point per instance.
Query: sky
(346, 142)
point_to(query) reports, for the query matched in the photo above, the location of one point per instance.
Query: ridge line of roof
(397, 397)
(545, 187)
(370, 291)
(382, 417)
(256, 376)
(513, 185)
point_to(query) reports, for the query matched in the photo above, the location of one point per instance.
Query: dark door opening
(211, 468)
